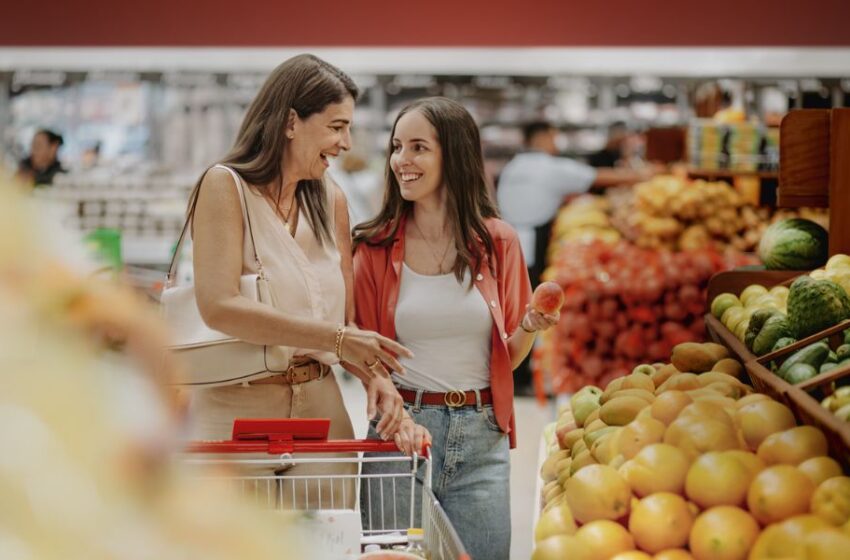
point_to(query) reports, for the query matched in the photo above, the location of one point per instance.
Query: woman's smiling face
(416, 160)
(319, 137)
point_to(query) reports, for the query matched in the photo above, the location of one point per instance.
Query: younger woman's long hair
(468, 202)
(306, 84)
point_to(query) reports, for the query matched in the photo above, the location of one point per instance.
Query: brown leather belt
(298, 372)
(452, 399)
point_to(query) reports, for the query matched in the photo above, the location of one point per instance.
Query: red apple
(547, 298)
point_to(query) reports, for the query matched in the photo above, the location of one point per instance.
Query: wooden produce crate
(734, 281)
(804, 398)
(721, 335)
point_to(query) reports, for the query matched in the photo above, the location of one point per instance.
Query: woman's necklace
(286, 216)
(433, 252)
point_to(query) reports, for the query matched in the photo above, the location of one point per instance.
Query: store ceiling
(473, 23)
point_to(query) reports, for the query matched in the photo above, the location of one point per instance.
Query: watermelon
(815, 305)
(794, 244)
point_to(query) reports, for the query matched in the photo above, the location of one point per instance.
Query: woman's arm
(381, 394)
(343, 244)
(516, 296)
(520, 344)
(217, 253)
(217, 249)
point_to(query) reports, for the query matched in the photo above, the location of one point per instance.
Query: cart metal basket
(261, 456)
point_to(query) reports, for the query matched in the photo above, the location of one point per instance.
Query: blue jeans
(471, 479)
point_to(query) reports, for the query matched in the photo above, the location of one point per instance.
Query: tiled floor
(530, 421)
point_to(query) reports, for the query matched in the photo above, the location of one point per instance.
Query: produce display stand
(815, 167)
(803, 398)
(734, 281)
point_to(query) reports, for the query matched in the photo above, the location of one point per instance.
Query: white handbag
(213, 358)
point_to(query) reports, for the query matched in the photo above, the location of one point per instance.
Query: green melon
(794, 244)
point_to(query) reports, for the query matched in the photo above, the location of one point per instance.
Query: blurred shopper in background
(531, 189)
(363, 188)
(43, 164)
(298, 221)
(438, 271)
(613, 152)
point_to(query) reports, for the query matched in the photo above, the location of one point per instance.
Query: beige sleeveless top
(304, 276)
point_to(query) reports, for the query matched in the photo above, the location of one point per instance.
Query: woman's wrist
(339, 339)
(523, 327)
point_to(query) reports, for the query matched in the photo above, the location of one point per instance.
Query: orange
(723, 533)
(831, 500)
(751, 398)
(661, 521)
(638, 434)
(827, 544)
(658, 468)
(799, 526)
(820, 468)
(793, 446)
(779, 492)
(673, 554)
(561, 547)
(696, 436)
(761, 419)
(774, 544)
(632, 555)
(597, 492)
(556, 521)
(704, 409)
(667, 406)
(716, 479)
(787, 539)
(749, 459)
(605, 538)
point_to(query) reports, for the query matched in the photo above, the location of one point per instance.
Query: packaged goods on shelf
(741, 146)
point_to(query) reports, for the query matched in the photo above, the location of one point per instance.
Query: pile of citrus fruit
(683, 460)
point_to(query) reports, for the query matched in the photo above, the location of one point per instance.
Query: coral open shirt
(377, 277)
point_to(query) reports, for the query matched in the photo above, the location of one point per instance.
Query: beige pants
(213, 410)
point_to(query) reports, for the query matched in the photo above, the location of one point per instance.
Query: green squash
(813, 354)
(794, 244)
(757, 321)
(800, 372)
(774, 329)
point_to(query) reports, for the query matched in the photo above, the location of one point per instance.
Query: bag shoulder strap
(178, 249)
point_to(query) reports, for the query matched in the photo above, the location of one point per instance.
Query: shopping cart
(280, 445)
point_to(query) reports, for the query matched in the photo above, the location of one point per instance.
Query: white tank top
(448, 327)
(305, 277)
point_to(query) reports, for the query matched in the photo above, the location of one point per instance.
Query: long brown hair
(468, 199)
(306, 84)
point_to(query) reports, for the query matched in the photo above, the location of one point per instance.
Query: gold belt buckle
(291, 371)
(455, 399)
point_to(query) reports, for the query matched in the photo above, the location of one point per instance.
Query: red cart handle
(290, 435)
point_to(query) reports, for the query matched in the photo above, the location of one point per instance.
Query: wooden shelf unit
(814, 167)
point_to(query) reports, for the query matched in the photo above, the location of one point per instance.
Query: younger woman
(437, 271)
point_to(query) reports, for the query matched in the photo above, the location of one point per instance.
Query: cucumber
(842, 352)
(813, 355)
(832, 357)
(800, 372)
(827, 366)
(783, 342)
